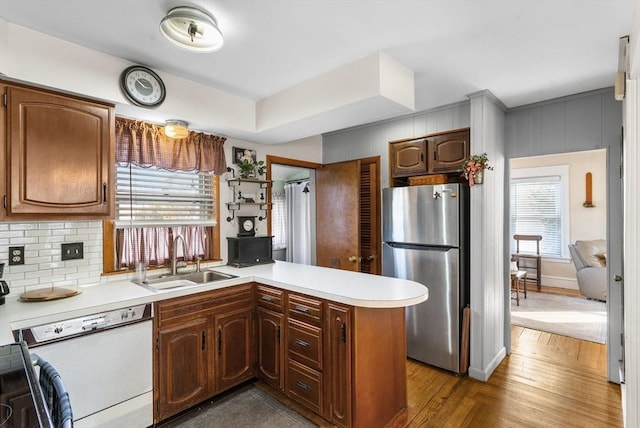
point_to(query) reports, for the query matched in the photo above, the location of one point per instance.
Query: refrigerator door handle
(442, 249)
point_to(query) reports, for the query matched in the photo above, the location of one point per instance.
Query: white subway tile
(37, 233)
(12, 234)
(52, 239)
(23, 226)
(51, 225)
(24, 241)
(52, 265)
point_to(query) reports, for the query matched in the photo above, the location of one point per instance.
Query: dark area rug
(246, 407)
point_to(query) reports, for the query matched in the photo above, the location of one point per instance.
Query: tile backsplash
(42, 254)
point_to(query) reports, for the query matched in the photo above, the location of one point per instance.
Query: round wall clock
(246, 226)
(142, 86)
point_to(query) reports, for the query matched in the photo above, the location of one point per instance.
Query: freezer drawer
(433, 327)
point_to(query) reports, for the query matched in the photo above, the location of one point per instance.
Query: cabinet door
(338, 365)
(234, 351)
(270, 348)
(449, 151)
(409, 158)
(59, 155)
(182, 369)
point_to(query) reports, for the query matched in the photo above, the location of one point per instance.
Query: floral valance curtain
(145, 145)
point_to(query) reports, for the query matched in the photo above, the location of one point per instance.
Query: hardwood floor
(547, 381)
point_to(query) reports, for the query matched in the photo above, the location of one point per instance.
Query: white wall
(488, 268)
(585, 223)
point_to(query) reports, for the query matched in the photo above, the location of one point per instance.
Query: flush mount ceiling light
(174, 128)
(192, 29)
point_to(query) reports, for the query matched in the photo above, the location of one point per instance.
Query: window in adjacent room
(540, 206)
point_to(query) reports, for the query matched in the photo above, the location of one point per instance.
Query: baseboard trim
(483, 375)
(559, 282)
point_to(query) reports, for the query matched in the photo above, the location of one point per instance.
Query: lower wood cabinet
(345, 363)
(234, 348)
(183, 378)
(338, 359)
(270, 347)
(204, 345)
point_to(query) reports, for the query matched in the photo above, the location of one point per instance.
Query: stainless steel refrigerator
(425, 239)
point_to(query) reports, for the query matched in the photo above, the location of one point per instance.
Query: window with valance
(165, 187)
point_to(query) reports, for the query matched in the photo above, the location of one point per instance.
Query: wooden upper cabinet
(432, 154)
(59, 155)
(409, 158)
(449, 151)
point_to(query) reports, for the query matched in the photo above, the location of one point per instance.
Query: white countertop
(351, 288)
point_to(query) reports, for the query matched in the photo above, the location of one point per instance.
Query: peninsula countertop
(351, 288)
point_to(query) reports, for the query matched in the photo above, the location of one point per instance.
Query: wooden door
(448, 151)
(338, 366)
(338, 220)
(234, 335)
(370, 239)
(182, 368)
(60, 155)
(270, 348)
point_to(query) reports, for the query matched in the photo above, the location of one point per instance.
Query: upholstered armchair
(589, 258)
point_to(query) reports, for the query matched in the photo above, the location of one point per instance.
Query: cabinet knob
(354, 259)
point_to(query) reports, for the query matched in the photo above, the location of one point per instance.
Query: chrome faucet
(175, 265)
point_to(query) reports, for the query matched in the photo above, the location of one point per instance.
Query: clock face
(142, 86)
(246, 226)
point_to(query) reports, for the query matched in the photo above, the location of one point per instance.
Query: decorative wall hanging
(473, 168)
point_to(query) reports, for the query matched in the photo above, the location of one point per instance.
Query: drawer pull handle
(268, 299)
(302, 309)
(302, 343)
(303, 385)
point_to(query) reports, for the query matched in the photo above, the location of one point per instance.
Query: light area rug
(567, 316)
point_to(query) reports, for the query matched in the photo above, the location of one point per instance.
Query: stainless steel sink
(165, 282)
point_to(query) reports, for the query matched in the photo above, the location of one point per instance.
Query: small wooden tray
(45, 294)
(428, 179)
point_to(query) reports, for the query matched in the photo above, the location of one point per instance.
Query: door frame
(278, 160)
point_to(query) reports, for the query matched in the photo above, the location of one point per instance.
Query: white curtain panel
(298, 226)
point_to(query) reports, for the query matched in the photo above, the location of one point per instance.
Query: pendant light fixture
(174, 128)
(192, 29)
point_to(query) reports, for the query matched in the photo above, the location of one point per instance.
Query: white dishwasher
(105, 362)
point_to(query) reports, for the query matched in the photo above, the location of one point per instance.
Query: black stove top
(21, 401)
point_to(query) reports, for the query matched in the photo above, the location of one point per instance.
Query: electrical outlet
(72, 251)
(16, 256)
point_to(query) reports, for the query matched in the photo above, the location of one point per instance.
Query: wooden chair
(530, 262)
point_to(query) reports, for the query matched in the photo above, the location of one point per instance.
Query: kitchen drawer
(305, 386)
(181, 309)
(305, 309)
(304, 344)
(270, 298)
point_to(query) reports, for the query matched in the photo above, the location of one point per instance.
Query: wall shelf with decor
(246, 199)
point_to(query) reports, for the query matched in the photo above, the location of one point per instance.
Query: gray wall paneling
(373, 139)
(585, 121)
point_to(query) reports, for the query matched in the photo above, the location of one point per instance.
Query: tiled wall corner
(42, 253)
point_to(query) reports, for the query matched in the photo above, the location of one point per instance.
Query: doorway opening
(563, 198)
(292, 219)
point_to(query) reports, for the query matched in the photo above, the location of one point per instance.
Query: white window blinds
(539, 207)
(154, 197)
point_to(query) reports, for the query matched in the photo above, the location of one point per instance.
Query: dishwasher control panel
(86, 324)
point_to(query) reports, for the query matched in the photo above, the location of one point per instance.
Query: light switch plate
(72, 251)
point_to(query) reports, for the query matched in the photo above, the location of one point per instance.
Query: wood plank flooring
(547, 381)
